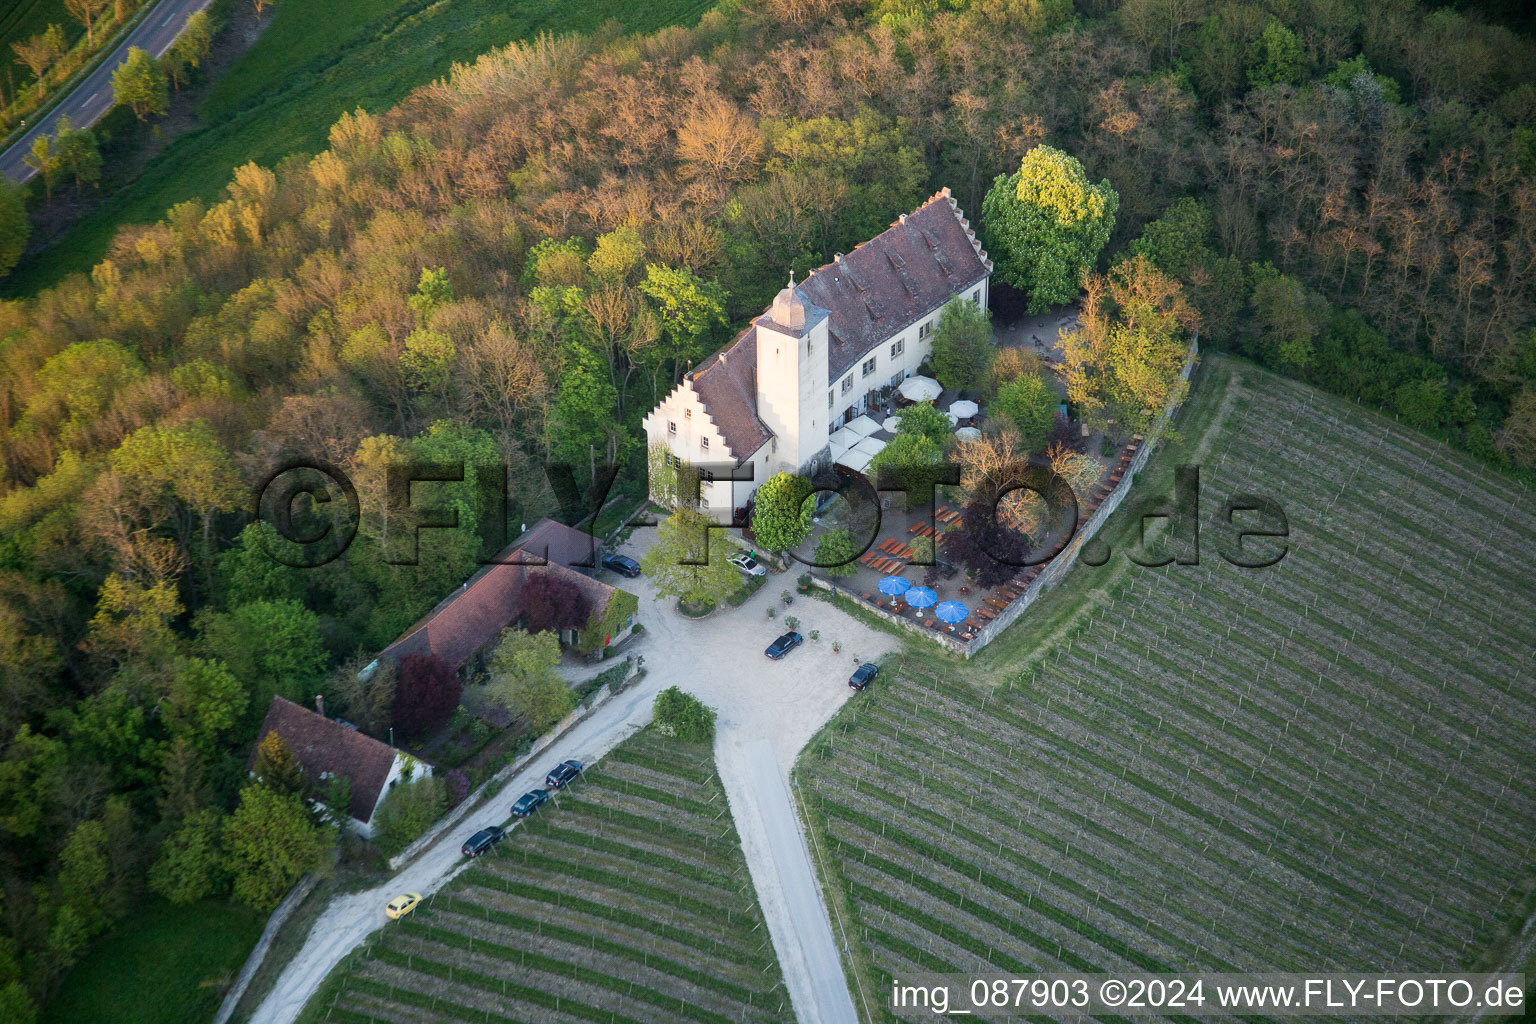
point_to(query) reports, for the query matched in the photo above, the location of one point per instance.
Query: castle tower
(792, 378)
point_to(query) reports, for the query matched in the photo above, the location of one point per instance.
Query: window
(671, 427)
(687, 414)
(976, 296)
(829, 399)
(925, 330)
(707, 475)
(704, 444)
(847, 383)
(869, 366)
(898, 346)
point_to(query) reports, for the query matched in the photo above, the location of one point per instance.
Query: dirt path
(768, 711)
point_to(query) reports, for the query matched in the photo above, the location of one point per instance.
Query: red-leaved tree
(426, 693)
(553, 602)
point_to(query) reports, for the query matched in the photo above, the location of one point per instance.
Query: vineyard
(1324, 765)
(628, 901)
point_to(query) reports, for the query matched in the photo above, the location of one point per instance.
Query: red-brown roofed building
(474, 615)
(814, 359)
(328, 748)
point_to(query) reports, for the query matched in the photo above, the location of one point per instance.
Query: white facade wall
(915, 347)
(682, 424)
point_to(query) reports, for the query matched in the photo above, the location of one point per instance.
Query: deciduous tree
(836, 553)
(270, 841)
(189, 50)
(781, 513)
(690, 561)
(139, 84)
(552, 602)
(962, 345)
(1123, 367)
(684, 716)
(521, 677)
(426, 694)
(86, 12)
(276, 768)
(190, 866)
(1030, 403)
(1045, 225)
(40, 52)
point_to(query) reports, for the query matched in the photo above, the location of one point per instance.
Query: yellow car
(402, 905)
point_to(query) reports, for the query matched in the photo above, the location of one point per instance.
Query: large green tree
(191, 863)
(1045, 225)
(521, 677)
(272, 647)
(139, 84)
(781, 515)
(690, 561)
(1123, 367)
(962, 345)
(270, 841)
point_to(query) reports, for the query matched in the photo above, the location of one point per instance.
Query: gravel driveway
(768, 711)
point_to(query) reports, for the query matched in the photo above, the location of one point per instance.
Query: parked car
(864, 675)
(565, 772)
(784, 644)
(483, 840)
(622, 564)
(402, 905)
(748, 564)
(529, 802)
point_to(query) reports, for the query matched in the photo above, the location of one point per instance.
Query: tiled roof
(564, 545)
(903, 273)
(485, 604)
(726, 384)
(325, 746)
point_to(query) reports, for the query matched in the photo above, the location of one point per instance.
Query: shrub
(684, 716)
(408, 811)
(792, 622)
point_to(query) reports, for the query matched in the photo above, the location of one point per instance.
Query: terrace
(942, 599)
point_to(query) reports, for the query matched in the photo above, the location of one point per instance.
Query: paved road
(92, 98)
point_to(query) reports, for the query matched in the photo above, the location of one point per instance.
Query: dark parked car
(864, 675)
(623, 565)
(565, 771)
(529, 802)
(784, 644)
(481, 841)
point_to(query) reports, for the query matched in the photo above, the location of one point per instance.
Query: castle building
(817, 357)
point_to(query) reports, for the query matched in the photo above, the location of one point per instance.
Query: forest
(511, 266)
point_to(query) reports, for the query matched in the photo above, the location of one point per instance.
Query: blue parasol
(921, 597)
(892, 586)
(951, 611)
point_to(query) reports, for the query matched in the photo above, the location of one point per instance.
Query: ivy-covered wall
(610, 622)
